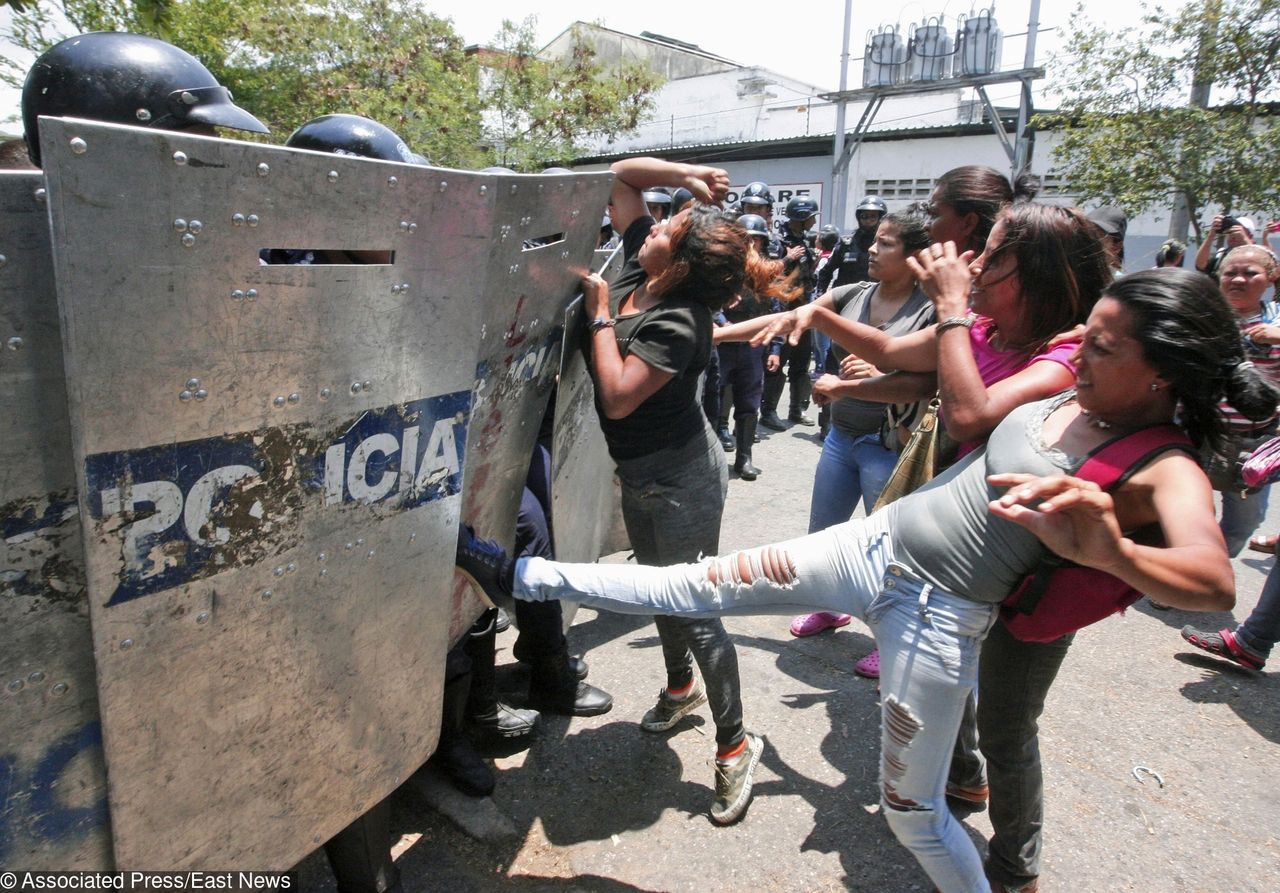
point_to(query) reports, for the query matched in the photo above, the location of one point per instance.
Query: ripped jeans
(929, 640)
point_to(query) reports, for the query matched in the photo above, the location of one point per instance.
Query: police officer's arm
(621, 384)
(634, 175)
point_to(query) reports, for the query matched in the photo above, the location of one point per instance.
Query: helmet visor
(211, 105)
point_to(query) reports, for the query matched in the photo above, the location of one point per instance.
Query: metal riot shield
(270, 463)
(545, 230)
(53, 811)
(585, 495)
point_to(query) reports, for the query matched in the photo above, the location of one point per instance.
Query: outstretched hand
(1070, 515)
(944, 275)
(791, 324)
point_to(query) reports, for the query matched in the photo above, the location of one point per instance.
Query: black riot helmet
(679, 199)
(828, 237)
(801, 209)
(873, 203)
(754, 224)
(656, 196)
(756, 193)
(352, 135)
(126, 79)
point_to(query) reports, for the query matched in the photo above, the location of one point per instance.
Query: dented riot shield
(546, 226)
(270, 462)
(585, 495)
(53, 810)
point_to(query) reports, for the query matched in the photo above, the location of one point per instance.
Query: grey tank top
(944, 532)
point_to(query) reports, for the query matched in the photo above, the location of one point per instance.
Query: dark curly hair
(1190, 335)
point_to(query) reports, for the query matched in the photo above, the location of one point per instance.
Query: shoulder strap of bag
(1115, 461)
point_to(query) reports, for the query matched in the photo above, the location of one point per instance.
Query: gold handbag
(918, 460)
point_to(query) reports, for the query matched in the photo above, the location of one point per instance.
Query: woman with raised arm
(1157, 342)
(648, 343)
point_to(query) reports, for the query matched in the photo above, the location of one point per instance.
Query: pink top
(997, 365)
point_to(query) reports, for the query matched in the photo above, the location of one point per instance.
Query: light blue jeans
(850, 468)
(929, 640)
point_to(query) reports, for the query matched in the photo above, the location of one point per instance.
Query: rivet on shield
(321, 557)
(412, 537)
(60, 688)
(184, 396)
(126, 644)
(237, 295)
(413, 227)
(278, 401)
(356, 387)
(179, 158)
(78, 146)
(324, 572)
(263, 169)
(279, 571)
(392, 181)
(195, 226)
(514, 188)
(193, 383)
(16, 685)
(333, 176)
(15, 343)
(40, 195)
(325, 393)
(252, 219)
(294, 398)
(188, 240)
(143, 115)
(484, 190)
(371, 553)
(349, 546)
(368, 385)
(359, 541)
(444, 184)
(180, 225)
(564, 255)
(404, 287)
(37, 676)
(201, 394)
(202, 617)
(395, 289)
(3, 260)
(292, 566)
(251, 294)
(237, 219)
(575, 213)
(404, 226)
(266, 595)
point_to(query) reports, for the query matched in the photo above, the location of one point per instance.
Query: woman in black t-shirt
(649, 341)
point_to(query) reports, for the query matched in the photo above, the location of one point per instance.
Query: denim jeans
(850, 468)
(929, 640)
(672, 503)
(1013, 681)
(1241, 515)
(1262, 630)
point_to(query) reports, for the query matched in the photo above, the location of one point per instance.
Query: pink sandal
(869, 666)
(821, 621)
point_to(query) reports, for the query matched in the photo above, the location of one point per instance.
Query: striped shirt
(1266, 359)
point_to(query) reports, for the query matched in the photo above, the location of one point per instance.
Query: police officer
(799, 261)
(757, 199)
(741, 367)
(849, 261)
(679, 200)
(658, 201)
(126, 78)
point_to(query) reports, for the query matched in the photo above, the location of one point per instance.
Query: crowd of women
(1041, 356)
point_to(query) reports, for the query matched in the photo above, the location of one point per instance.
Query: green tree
(1129, 136)
(539, 110)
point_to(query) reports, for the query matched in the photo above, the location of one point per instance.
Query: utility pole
(839, 172)
(1026, 139)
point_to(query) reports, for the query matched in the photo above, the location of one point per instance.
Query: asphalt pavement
(596, 804)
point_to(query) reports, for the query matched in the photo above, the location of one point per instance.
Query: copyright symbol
(8, 880)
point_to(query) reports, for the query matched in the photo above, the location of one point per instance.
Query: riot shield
(270, 462)
(53, 812)
(585, 496)
(545, 230)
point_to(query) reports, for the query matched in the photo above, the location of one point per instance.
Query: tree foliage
(1130, 137)
(390, 60)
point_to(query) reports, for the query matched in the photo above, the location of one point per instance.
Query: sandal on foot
(1264, 543)
(1224, 643)
(869, 666)
(821, 621)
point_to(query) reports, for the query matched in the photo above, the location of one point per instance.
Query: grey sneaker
(667, 712)
(733, 783)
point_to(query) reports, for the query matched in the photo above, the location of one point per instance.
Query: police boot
(454, 754)
(745, 430)
(722, 423)
(800, 389)
(554, 687)
(773, 385)
(483, 707)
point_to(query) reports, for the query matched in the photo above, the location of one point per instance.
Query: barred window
(903, 190)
